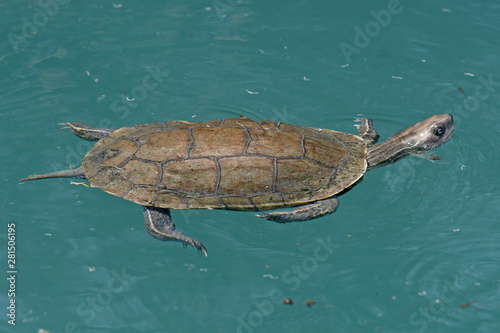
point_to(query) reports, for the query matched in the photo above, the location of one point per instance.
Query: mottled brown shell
(231, 164)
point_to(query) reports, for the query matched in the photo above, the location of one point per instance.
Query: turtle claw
(197, 245)
(269, 217)
(264, 216)
(202, 249)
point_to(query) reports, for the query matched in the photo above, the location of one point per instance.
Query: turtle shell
(236, 164)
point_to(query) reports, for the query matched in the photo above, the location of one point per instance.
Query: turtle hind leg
(367, 131)
(87, 132)
(159, 224)
(75, 173)
(304, 213)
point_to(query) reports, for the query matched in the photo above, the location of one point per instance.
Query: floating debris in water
(310, 303)
(466, 305)
(288, 301)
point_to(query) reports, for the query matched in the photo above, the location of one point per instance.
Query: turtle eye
(438, 130)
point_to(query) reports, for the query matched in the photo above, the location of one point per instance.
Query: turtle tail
(75, 173)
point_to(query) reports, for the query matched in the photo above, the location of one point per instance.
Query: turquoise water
(413, 248)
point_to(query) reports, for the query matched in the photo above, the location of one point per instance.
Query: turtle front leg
(159, 224)
(304, 213)
(367, 131)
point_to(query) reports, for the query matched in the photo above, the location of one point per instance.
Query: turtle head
(420, 138)
(427, 135)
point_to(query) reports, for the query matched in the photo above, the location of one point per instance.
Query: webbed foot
(87, 132)
(367, 131)
(159, 224)
(304, 213)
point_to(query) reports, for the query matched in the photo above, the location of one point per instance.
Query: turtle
(239, 164)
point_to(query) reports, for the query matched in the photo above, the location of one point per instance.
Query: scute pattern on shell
(233, 163)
